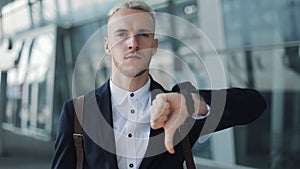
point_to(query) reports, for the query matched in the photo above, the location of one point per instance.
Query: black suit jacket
(242, 106)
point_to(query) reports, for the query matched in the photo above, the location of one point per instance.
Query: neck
(130, 83)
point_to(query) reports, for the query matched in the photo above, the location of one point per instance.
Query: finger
(157, 125)
(169, 135)
(161, 102)
(163, 109)
(161, 97)
(159, 109)
(159, 122)
(161, 119)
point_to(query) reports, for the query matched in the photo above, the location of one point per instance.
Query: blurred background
(257, 42)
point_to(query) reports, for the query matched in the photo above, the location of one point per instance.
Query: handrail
(254, 47)
(208, 163)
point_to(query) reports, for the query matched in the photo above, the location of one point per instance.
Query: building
(254, 43)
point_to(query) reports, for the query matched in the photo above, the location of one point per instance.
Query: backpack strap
(78, 131)
(189, 160)
(186, 88)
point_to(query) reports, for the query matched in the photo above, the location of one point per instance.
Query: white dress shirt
(131, 122)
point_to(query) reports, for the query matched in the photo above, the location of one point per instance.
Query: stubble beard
(118, 68)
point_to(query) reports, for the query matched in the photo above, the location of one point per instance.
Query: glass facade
(30, 85)
(262, 39)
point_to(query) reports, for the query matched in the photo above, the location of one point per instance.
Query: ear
(106, 46)
(155, 46)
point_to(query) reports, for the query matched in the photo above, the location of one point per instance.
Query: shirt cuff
(199, 117)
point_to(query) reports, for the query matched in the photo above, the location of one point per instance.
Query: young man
(131, 120)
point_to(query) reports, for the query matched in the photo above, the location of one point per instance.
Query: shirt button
(131, 94)
(132, 111)
(129, 135)
(130, 165)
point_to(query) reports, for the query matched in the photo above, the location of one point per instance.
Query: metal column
(211, 23)
(31, 14)
(3, 100)
(1, 25)
(277, 111)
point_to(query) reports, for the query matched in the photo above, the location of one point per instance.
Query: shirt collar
(119, 94)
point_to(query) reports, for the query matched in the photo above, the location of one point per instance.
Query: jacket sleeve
(65, 153)
(242, 106)
(237, 106)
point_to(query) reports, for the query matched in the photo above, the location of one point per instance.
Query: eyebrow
(139, 31)
(120, 30)
(146, 31)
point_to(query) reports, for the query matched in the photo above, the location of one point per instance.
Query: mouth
(133, 57)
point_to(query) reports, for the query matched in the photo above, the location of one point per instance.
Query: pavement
(22, 152)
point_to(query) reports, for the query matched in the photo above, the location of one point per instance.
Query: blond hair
(131, 4)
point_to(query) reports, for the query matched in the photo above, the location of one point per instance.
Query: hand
(168, 111)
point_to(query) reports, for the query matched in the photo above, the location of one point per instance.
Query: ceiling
(4, 2)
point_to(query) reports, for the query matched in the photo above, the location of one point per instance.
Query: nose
(133, 43)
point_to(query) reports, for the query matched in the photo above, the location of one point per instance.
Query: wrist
(201, 107)
(189, 102)
(186, 89)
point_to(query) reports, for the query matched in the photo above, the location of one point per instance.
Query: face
(130, 42)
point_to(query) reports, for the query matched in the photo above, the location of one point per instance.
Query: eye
(122, 34)
(143, 35)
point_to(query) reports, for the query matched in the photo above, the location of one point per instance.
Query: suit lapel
(156, 139)
(107, 134)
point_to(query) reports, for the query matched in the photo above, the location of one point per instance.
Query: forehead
(130, 18)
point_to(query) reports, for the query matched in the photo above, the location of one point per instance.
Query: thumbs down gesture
(168, 111)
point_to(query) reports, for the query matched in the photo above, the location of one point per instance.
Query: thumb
(169, 135)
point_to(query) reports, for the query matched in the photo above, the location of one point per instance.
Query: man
(132, 121)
